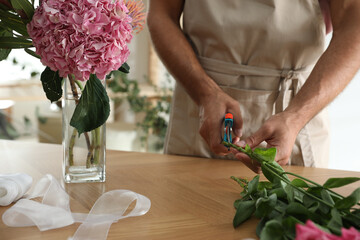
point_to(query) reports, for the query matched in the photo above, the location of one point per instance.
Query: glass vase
(84, 154)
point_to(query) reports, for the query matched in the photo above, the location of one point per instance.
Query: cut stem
(71, 147)
(316, 184)
(97, 145)
(276, 173)
(76, 98)
(270, 169)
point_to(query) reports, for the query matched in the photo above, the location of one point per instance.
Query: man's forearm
(333, 71)
(178, 56)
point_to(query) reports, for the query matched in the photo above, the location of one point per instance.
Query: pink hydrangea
(82, 37)
(309, 231)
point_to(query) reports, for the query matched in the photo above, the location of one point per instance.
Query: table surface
(192, 198)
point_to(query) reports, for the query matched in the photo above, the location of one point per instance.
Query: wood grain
(192, 198)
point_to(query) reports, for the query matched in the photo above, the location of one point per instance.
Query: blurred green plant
(23, 66)
(7, 130)
(14, 15)
(155, 109)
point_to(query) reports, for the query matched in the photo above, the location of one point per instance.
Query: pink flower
(350, 234)
(82, 37)
(309, 231)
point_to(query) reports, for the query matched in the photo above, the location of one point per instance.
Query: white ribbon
(54, 210)
(13, 187)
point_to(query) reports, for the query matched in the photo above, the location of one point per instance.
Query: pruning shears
(228, 122)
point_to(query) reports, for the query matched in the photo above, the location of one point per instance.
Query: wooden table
(192, 198)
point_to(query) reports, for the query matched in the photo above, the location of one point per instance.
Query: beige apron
(260, 52)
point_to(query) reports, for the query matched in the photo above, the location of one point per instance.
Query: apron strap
(247, 70)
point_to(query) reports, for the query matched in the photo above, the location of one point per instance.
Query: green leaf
(265, 205)
(263, 193)
(5, 5)
(356, 212)
(349, 201)
(281, 205)
(125, 68)
(326, 197)
(314, 207)
(323, 208)
(32, 53)
(339, 182)
(335, 224)
(289, 225)
(244, 211)
(14, 42)
(269, 174)
(352, 219)
(51, 82)
(264, 185)
(316, 192)
(248, 149)
(311, 204)
(292, 193)
(273, 230)
(14, 22)
(243, 199)
(261, 226)
(280, 193)
(289, 190)
(4, 53)
(93, 108)
(297, 210)
(266, 154)
(23, 5)
(253, 185)
(298, 195)
(299, 183)
(322, 228)
(237, 202)
(271, 170)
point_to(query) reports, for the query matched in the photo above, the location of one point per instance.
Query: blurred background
(140, 105)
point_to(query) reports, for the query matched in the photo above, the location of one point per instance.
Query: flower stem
(240, 181)
(298, 176)
(272, 170)
(78, 83)
(316, 184)
(276, 173)
(90, 153)
(227, 144)
(76, 97)
(73, 88)
(71, 147)
(97, 145)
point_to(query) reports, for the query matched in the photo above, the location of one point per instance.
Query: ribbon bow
(54, 210)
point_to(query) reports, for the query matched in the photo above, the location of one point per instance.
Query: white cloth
(54, 210)
(13, 187)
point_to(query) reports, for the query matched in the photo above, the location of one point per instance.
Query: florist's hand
(212, 112)
(278, 132)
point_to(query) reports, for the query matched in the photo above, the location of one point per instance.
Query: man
(262, 61)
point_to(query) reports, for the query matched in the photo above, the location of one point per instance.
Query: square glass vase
(84, 154)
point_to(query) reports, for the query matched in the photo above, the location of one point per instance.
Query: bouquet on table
(82, 42)
(298, 209)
